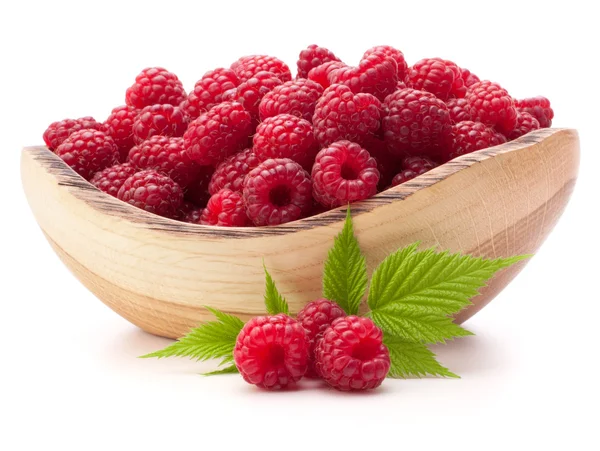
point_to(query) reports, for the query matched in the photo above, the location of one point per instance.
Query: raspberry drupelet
(492, 105)
(119, 126)
(248, 66)
(313, 56)
(58, 131)
(160, 119)
(112, 178)
(209, 91)
(320, 74)
(226, 209)
(88, 151)
(459, 110)
(155, 85)
(231, 172)
(297, 97)
(153, 192)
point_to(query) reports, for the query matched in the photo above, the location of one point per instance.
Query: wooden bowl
(159, 273)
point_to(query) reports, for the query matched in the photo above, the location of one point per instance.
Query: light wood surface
(159, 273)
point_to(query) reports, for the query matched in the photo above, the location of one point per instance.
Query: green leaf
(345, 272)
(232, 369)
(274, 301)
(210, 340)
(412, 359)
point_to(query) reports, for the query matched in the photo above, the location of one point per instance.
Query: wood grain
(159, 273)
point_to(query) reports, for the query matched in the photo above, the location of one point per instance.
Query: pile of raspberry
(347, 352)
(250, 146)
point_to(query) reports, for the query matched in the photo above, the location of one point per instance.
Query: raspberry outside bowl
(159, 273)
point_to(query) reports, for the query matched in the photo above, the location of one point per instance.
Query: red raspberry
(165, 120)
(469, 78)
(469, 136)
(440, 77)
(539, 107)
(341, 114)
(57, 132)
(215, 135)
(184, 209)
(320, 74)
(112, 178)
(88, 151)
(286, 136)
(119, 126)
(271, 351)
(197, 191)
(459, 110)
(226, 209)
(277, 191)
(492, 105)
(316, 317)
(250, 92)
(312, 57)
(404, 176)
(344, 172)
(376, 74)
(192, 215)
(153, 192)
(351, 355)
(167, 155)
(209, 91)
(297, 97)
(412, 167)
(155, 85)
(401, 85)
(396, 54)
(414, 122)
(525, 123)
(248, 67)
(232, 171)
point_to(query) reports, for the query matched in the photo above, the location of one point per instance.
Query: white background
(69, 377)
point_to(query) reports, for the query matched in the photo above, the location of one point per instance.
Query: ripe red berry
(469, 136)
(248, 66)
(297, 97)
(209, 91)
(313, 56)
(277, 191)
(414, 122)
(250, 92)
(539, 107)
(440, 77)
(344, 172)
(217, 134)
(58, 131)
(166, 155)
(459, 110)
(403, 176)
(225, 208)
(320, 74)
(197, 191)
(286, 136)
(492, 105)
(153, 192)
(119, 126)
(525, 123)
(468, 77)
(165, 120)
(316, 317)
(192, 215)
(112, 178)
(412, 167)
(155, 85)
(88, 151)
(341, 114)
(271, 351)
(397, 55)
(231, 172)
(351, 355)
(376, 74)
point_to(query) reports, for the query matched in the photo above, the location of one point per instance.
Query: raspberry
(209, 91)
(492, 105)
(167, 155)
(271, 351)
(165, 120)
(277, 191)
(119, 126)
(248, 67)
(197, 191)
(469, 136)
(316, 317)
(459, 110)
(351, 355)
(231, 172)
(250, 92)
(376, 74)
(341, 114)
(297, 97)
(414, 122)
(320, 74)
(110, 179)
(344, 172)
(192, 215)
(539, 107)
(215, 135)
(57, 132)
(155, 85)
(401, 85)
(403, 176)
(313, 56)
(440, 77)
(396, 54)
(225, 208)
(88, 151)
(153, 192)
(286, 136)
(525, 123)
(185, 209)
(412, 167)
(469, 78)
